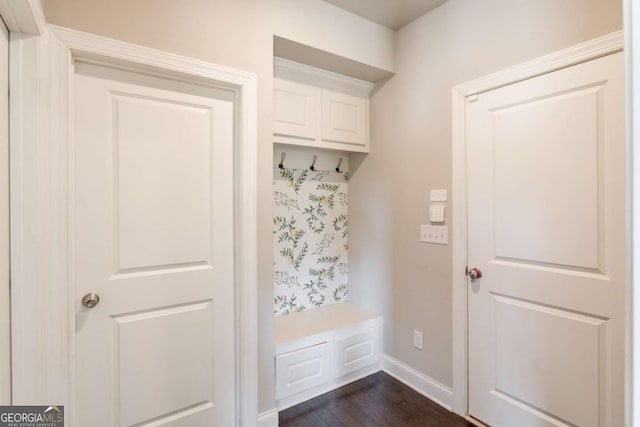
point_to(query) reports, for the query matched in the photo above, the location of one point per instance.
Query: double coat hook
(315, 158)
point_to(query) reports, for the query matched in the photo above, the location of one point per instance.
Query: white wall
(410, 282)
(236, 33)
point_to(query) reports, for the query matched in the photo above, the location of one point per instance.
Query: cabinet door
(345, 118)
(303, 369)
(357, 351)
(296, 109)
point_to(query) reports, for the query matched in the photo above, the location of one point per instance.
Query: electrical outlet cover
(418, 339)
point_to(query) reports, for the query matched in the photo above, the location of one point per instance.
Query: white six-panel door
(546, 221)
(153, 237)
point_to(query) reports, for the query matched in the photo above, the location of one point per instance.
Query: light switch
(439, 195)
(436, 213)
(434, 234)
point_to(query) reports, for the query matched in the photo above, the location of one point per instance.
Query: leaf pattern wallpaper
(310, 239)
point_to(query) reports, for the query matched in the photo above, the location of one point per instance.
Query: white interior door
(153, 238)
(5, 309)
(546, 220)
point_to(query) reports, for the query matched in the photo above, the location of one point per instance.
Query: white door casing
(592, 49)
(153, 237)
(42, 206)
(24, 18)
(5, 277)
(546, 218)
(631, 25)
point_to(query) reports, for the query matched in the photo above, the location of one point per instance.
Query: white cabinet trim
(302, 73)
(329, 145)
(43, 323)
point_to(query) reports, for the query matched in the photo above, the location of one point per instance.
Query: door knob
(90, 300)
(474, 274)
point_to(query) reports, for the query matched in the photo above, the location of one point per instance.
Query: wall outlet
(417, 339)
(434, 234)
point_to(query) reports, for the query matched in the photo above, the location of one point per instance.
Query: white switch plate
(436, 213)
(434, 234)
(439, 195)
(418, 339)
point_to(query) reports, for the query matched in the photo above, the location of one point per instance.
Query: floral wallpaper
(310, 226)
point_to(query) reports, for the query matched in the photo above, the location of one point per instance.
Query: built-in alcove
(323, 340)
(310, 228)
(327, 61)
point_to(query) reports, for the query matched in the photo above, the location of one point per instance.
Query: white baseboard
(268, 418)
(439, 393)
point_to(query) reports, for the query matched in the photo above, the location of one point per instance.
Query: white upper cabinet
(296, 109)
(320, 109)
(345, 118)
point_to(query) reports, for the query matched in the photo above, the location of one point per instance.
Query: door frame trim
(598, 47)
(632, 67)
(25, 16)
(21, 18)
(43, 320)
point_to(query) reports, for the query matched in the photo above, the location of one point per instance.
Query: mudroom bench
(320, 349)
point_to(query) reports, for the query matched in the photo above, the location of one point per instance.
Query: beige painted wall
(409, 282)
(237, 33)
(389, 269)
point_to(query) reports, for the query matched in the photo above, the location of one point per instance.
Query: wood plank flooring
(377, 400)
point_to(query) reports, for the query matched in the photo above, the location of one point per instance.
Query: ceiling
(393, 14)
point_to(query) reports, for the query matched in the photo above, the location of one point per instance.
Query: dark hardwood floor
(377, 400)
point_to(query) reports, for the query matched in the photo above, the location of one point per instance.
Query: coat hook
(282, 157)
(339, 164)
(313, 165)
